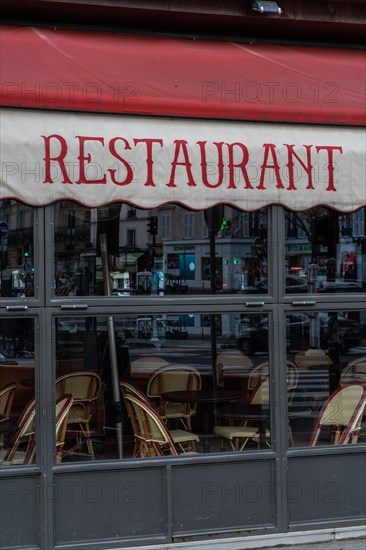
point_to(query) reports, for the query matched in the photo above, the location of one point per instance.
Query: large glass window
(17, 392)
(326, 351)
(325, 251)
(16, 250)
(156, 252)
(157, 385)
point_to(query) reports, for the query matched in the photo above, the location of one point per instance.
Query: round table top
(202, 396)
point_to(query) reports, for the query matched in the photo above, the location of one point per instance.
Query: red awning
(109, 73)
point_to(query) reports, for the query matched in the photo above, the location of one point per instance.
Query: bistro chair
(259, 373)
(152, 433)
(180, 437)
(174, 378)
(130, 389)
(342, 411)
(259, 397)
(231, 362)
(6, 402)
(244, 433)
(22, 445)
(84, 386)
(63, 407)
(354, 371)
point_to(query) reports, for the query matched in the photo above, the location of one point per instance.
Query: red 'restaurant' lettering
(330, 150)
(290, 166)
(112, 148)
(60, 158)
(242, 165)
(181, 144)
(211, 164)
(270, 148)
(87, 158)
(149, 157)
(219, 164)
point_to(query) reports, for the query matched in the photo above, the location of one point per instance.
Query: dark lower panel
(18, 512)
(109, 505)
(216, 497)
(322, 488)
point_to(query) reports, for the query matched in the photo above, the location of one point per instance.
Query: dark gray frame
(158, 500)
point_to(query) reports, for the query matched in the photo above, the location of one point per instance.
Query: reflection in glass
(194, 392)
(16, 250)
(328, 350)
(17, 397)
(325, 251)
(158, 252)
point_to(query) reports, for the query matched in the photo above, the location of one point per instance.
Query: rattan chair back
(152, 432)
(260, 394)
(84, 386)
(354, 371)
(23, 437)
(130, 389)
(231, 362)
(343, 410)
(127, 387)
(63, 406)
(174, 378)
(258, 374)
(6, 400)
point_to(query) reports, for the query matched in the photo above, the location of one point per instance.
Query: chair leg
(290, 436)
(89, 442)
(186, 423)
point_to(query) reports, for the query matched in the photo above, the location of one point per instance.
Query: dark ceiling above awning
(108, 73)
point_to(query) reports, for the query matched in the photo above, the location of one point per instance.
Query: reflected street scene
(166, 251)
(17, 254)
(147, 386)
(325, 251)
(327, 405)
(171, 250)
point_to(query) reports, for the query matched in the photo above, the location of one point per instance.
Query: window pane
(325, 251)
(164, 251)
(326, 377)
(16, 250)
(17, 405)
(189, 372)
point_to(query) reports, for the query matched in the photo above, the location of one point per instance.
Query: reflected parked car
(252, 334)
(293, 285)
(339, 286)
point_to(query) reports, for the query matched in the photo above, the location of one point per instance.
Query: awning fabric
(103, 72)
(102, 118)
